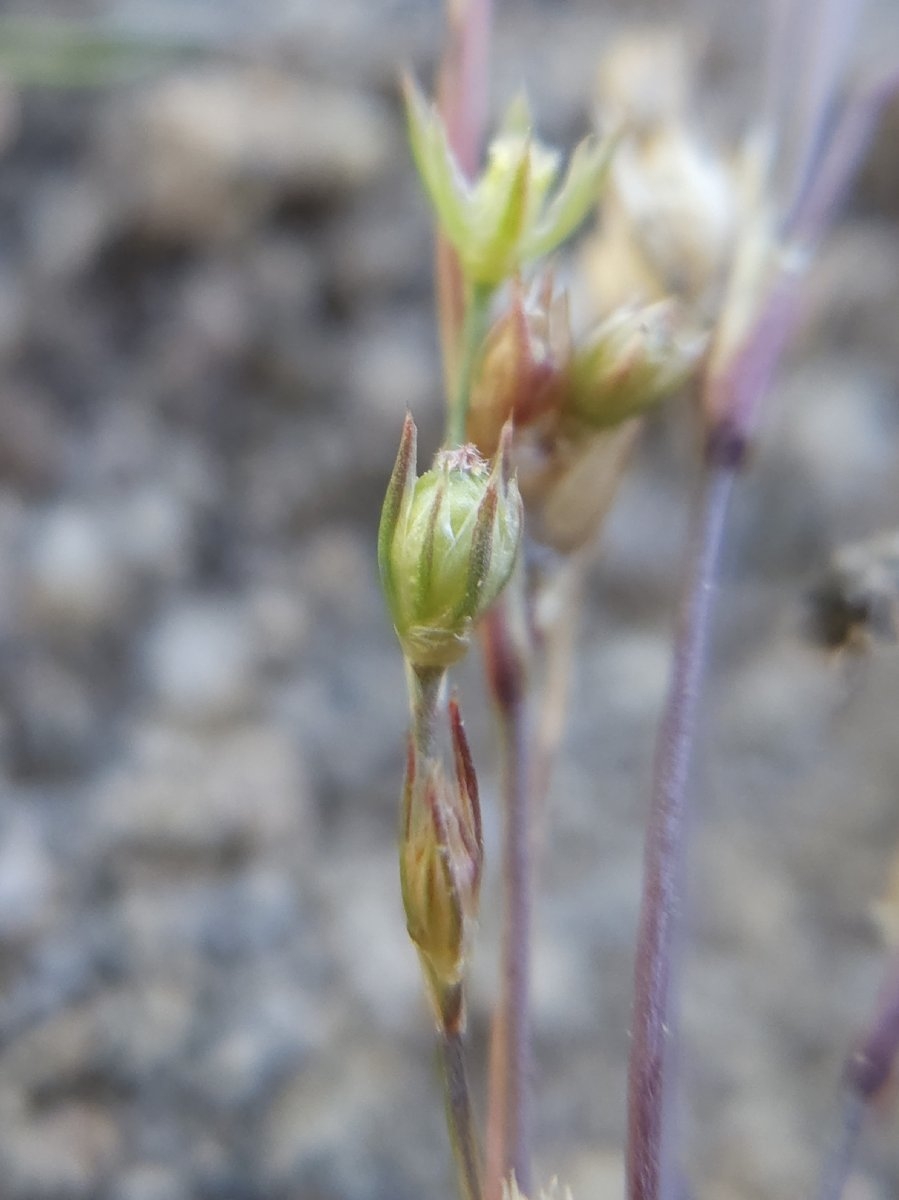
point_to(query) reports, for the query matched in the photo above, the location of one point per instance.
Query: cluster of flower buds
(447, 545)
(441, 858)
(533, 370)
(519, 209)
(572, 400)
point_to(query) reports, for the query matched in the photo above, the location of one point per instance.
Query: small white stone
(201, 662)
(26, 880)
(73, 578)
(152, 530)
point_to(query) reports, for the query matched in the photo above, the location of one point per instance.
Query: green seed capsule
(446, 548)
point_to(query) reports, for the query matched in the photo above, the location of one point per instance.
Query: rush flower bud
(533, 369)
(446, 546)
(518, 210)
(441, 860)
(521, 366)
(636, 358)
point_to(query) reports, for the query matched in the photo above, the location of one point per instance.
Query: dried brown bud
(441, 859)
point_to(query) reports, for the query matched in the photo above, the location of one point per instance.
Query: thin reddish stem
(462, 96)
(509, 1108)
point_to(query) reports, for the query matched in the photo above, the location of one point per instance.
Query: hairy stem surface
(424, 693)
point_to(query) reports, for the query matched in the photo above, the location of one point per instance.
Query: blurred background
(215, 307)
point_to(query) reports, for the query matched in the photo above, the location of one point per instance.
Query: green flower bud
(446, 546)
(633, 360)
(441, 861)
(517, 210)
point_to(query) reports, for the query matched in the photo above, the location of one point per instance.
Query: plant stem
(459, 1115)
(424, 692)
(650, 1172)
(509, 1109)
(556, 646)
(462, 96)
(866, 1074)
(477, 310)
(839, 1161)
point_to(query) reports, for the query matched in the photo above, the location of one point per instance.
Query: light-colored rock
(201, 662)
(32, 447)
(153, 530)
(367, 929)
(281, 623)
(144, 1028)
(595, 1174)
(179, 794)
(73, 581)
(53, 723)
(150, 1181)
(28, 883)
(67, 226)
(85, 1144)
(206, 153)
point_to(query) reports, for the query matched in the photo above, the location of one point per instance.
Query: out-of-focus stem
(463, 83)
(477, 311)
(509, 1109)
(651, 1174)
(462, 100)
(556, 650)
(866, 1074)
(838, 1164)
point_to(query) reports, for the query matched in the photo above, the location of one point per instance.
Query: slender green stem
(459, 1117)
(509, 1114)
(477, 310)
(424, 692)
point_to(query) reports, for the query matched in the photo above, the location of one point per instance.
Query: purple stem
(865, 1077)
(841, 159)
(650, 1173)
(509, 1119)
(731, 403)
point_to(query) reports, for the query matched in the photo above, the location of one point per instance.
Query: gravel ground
(214, 309)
